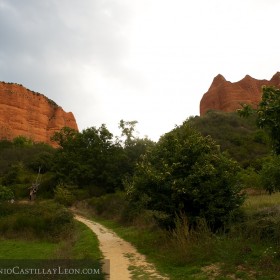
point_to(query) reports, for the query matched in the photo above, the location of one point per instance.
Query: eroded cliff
(226, 96)
(30, 114)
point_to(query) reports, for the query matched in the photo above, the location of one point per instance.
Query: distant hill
(226, 96)
(30, 114)
(240, 137)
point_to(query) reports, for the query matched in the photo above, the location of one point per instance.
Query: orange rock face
(226, 96)
(30, 114)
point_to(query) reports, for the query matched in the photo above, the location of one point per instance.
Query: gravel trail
(125, 261)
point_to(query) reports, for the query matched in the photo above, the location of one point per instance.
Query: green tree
(65, 137)
(14, 175)
(249, 178)
(95, 159)
(246, 110)
(133, 146)
(269, 115)
(22, 141)
(88, 158)
(270, 174)
(128, 128)
(268, 118)
(186, 173)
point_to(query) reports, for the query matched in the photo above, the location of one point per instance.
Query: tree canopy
(87, 158)
(269, 115)
(186, 173)
(95, 158)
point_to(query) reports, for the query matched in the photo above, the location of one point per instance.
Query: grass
(42, 220)
(230, 256)
(23, 249)
(238, 253)
(82, 246)
(255, 202)
(86, 245)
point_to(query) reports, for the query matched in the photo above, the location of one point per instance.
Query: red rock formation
(226, 96)
(30, 114)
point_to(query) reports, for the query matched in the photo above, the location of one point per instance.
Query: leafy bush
(6, 193)
(249, 178)
(31, 155)
(268, 113)
(63, 195)
(21, 141)
(186, 173)
(262, 225)
(270, 174)
(109, 205)
(47, 220)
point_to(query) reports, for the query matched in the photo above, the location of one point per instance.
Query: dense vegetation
(45, 220)
(240, 137)
(268, 114)
(45, 235)
(188, 187)
(87, 163)
(248, 249)
(186, 174)
(182, 173)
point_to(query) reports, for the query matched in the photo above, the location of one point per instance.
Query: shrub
(270, 174)
(186, 241)
(240, 137)
(249, 178)
(63, 195)
(47, 220)
(262, 225)
(109, 205)
(186, 173)
(6, 193)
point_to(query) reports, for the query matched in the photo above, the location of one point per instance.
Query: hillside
(240, 137)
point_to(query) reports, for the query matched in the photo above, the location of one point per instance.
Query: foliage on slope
(238, 136)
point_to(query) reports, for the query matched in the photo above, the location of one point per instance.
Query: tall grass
(247, 249)
(43, 220)
(262, 219)
(186, 241)
(256, 202)
(80, 249)
(82, 244)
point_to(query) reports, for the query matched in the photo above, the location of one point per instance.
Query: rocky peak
(218, 80)
(227, 96)
(276, 79)
(30, 114)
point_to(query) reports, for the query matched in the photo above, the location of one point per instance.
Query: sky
(144, 60)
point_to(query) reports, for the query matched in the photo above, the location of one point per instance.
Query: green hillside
(240, 137)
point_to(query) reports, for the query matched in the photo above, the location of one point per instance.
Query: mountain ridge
(227, 96)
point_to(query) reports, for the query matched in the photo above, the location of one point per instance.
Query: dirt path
(125, 261)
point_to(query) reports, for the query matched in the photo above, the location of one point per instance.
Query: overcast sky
(144, 60)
